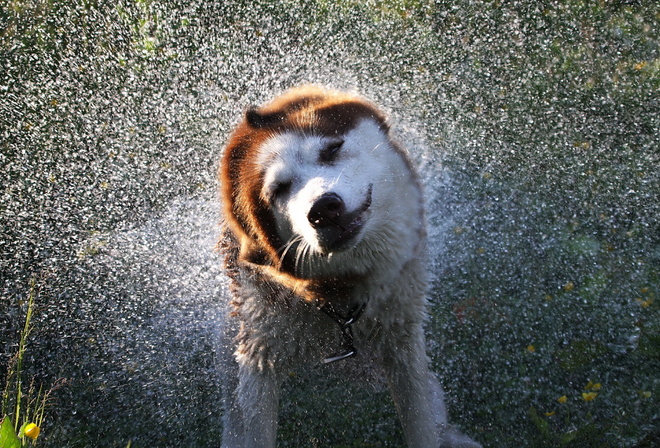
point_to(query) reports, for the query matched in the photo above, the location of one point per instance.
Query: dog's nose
(326, 211)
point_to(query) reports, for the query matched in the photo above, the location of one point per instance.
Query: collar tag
(345, 324)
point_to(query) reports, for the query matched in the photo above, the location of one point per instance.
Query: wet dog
(324, 241)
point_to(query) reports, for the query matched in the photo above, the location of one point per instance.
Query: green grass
(543, 115)
(23, 408)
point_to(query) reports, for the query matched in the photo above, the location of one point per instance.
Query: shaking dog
(325, 244)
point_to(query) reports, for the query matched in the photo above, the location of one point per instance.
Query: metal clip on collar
(345, 325)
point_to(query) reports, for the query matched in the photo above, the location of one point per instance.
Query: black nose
(326, 211)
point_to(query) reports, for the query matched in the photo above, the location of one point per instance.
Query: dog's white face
(323, 190)
(314, 187)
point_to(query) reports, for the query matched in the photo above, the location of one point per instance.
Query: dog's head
(312, 180)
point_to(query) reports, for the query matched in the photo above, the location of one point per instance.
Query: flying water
(535, 130)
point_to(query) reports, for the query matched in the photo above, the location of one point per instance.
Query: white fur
(284, 332)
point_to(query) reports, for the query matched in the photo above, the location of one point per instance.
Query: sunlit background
(535, 125)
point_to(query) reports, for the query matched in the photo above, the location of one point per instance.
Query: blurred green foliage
(544, 113)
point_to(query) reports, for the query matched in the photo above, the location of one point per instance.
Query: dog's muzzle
(336, 226)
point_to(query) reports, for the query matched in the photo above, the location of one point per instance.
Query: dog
(324, 241)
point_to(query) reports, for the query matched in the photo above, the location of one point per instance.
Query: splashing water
(535, 127)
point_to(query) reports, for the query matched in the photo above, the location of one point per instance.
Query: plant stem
(21, 351)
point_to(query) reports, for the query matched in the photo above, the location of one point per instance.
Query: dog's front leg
(258, 395)
(408, 376)
(418, 396)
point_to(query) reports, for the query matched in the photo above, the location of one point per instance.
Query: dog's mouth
(342, 230)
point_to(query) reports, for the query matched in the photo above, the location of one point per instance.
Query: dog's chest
(284, 331)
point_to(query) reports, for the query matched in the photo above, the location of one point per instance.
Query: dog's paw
(453, 438)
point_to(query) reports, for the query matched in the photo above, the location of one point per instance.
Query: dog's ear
(259, 120)
(277, 113)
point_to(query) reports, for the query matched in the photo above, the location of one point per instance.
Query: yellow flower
(589, 396)
(569, 286)
(550, 414)
(32, 431)
(531, 349)
(592, 386)
(562, 399)
(645, 303)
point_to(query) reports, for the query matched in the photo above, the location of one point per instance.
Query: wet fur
(273, 171)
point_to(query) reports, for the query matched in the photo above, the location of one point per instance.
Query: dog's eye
(330, 153)
(279, 190)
